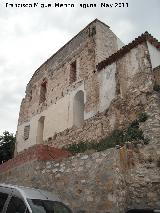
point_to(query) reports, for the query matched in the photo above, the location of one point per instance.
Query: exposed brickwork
(37, 152)
(109, 181)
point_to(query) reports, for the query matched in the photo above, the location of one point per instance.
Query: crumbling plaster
(154, 55)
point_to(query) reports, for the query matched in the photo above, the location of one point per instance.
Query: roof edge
(125, 49)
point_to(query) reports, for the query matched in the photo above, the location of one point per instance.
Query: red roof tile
(125, 49)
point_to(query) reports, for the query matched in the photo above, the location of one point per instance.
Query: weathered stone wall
(113, 97)
(134, 72)
(57, 118)
(85, 47)
(107, 42)
(144, 181)
(132, 85)
(93, 183)
(58, 82)
(119, 115)
(151, 127)
(57, 109)
(109, 181)
(156, 72)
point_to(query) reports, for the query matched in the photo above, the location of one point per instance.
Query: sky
(29, 36)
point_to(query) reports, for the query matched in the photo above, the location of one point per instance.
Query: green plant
(156, 88)
(78, 148)
(117, 137)
(7, 146)
(146, 141)
(104, 144)
(143, 117)
(133, 133)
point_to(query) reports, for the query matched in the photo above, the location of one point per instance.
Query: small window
(93, 31)
(3, 198)
(16, 205)
(26, 132)
(43, 92)
(73, 72)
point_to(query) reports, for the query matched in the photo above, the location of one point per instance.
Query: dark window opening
(73, 72)
(43, 92)
(26, 132)
(3, 198)
(92, 31)
(16, 205)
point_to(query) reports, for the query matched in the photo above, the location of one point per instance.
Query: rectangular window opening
(73, 72)
(26, 132)
(43, 92)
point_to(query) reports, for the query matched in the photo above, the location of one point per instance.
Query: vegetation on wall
(156, 88)
(117, 137)
(7, 146)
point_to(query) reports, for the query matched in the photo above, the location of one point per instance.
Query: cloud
(31, 35)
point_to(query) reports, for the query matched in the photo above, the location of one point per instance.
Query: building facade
(91, 86)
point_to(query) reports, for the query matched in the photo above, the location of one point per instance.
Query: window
(26, 132)
(3, 198)
(16, 205)
(43, 92)
(60, 208)
(73, 72)
(92, 31)
(47, 206)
